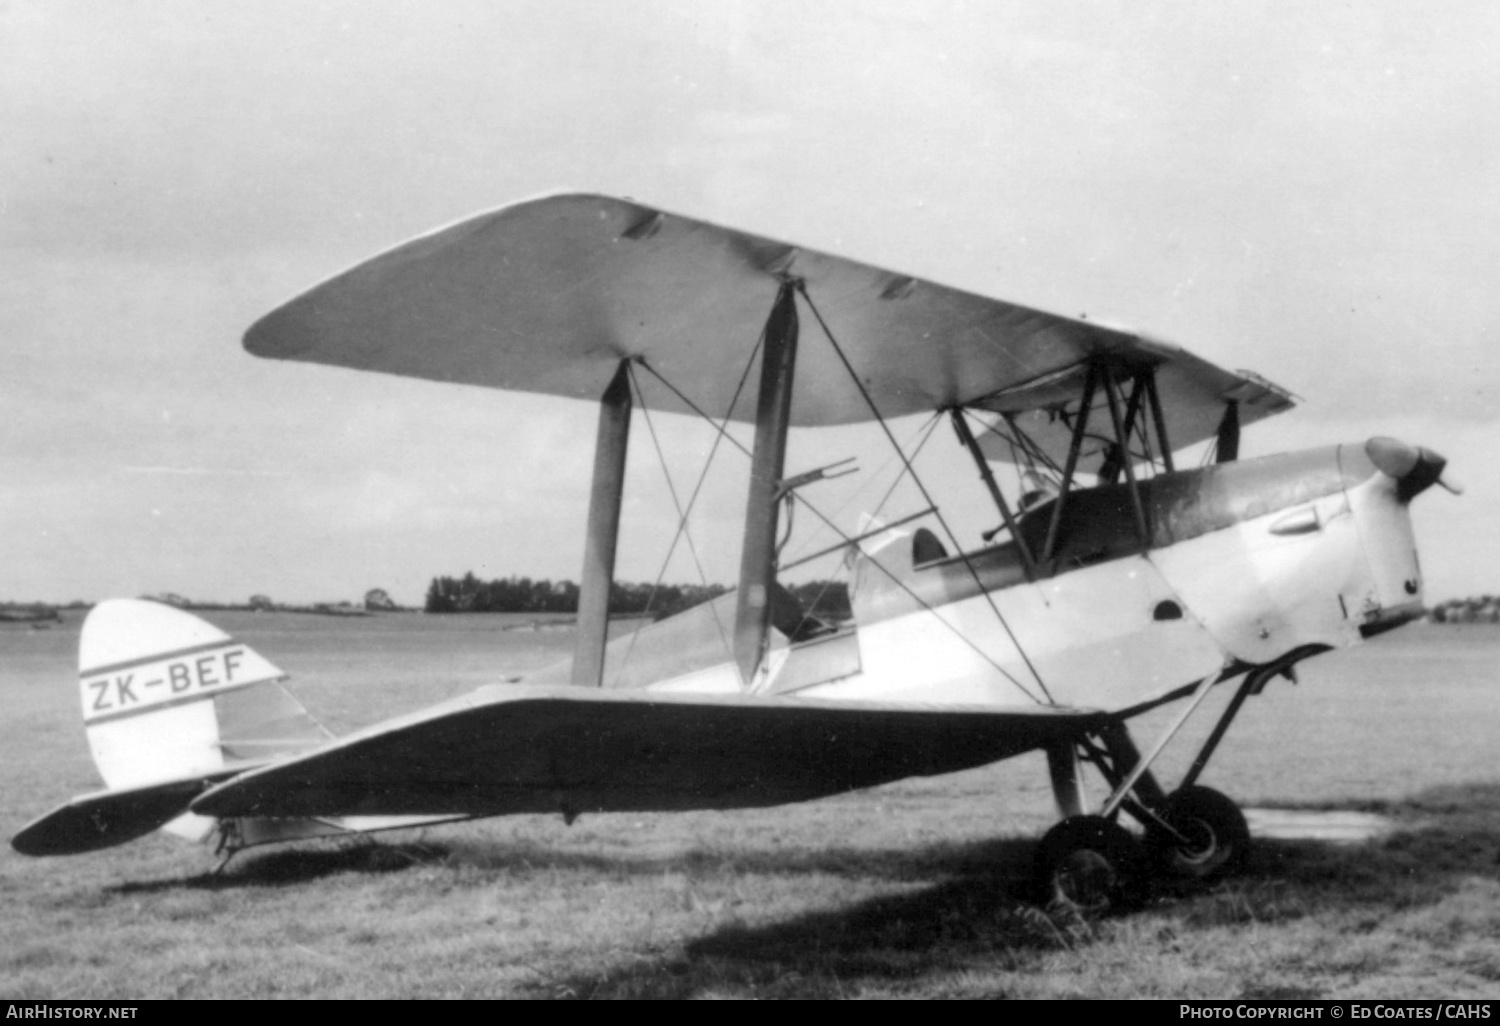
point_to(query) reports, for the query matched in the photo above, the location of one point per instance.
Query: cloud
(199, 471)
(1307, 193)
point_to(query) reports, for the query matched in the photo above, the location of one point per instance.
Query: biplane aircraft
(1114, 581)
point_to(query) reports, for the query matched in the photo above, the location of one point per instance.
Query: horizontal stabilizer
(107, 818)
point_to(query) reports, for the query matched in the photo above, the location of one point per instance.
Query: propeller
(1414, 468)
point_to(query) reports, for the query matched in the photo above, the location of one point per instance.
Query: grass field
(911, 889)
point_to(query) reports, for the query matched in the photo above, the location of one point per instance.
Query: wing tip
(289, 331)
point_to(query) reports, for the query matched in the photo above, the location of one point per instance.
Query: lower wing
(523, 749)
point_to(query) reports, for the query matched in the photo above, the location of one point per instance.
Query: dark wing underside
(551, 294)
(107, 818)
(537, 749)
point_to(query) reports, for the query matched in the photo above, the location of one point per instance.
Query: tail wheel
(1211, 836)
(1090, 863)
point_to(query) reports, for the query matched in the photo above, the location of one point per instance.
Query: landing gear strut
(1093, 863)
(228, 840)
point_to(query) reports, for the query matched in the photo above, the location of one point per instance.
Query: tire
(1089, 863)
(1215, 838)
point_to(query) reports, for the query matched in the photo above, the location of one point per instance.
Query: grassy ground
(913, 889)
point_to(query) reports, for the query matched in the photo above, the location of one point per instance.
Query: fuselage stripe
(196, 696)
(158, 657)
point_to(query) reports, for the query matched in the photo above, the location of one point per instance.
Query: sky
(1309, 191)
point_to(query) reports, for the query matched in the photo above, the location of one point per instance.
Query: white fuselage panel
(1092, 636)
(1123, 633)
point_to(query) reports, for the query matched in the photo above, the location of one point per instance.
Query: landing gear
(1088, 863)
(1095, 865)
(1202, 834)
(228, 839)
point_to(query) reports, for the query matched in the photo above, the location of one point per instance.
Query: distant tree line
(1484, 609)
(469, 594)
(27, 612)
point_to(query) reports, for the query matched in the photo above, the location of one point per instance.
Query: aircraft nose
(1414, 468)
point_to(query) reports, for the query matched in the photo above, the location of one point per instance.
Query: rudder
(171, 706)
(167, 696)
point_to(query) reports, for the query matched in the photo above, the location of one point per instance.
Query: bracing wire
(926, 432)
(1018, 438)
(682, 524)
(683, 513)
(968, 564)
(921, 602)
(922, 434)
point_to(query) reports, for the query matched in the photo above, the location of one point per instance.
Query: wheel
(1214, 836)
(1088, 862)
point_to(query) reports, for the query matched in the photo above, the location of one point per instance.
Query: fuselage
(1241, 564)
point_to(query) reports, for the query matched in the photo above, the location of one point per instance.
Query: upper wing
(549, 295)
(548, 749)
(1194, 395)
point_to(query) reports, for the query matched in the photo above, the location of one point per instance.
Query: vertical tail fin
(170, 705)
(167, 696)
